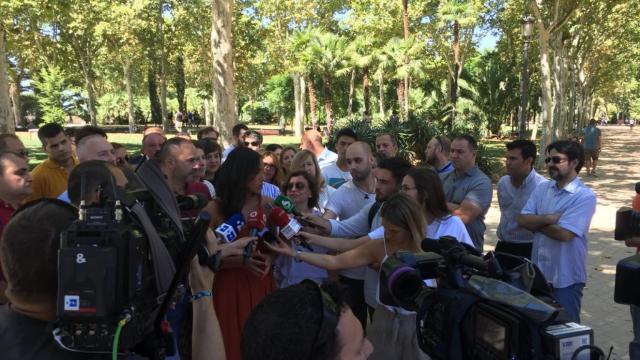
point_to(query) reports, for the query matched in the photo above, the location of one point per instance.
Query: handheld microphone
(256, 222)
(195, 201)
(288, 227)
(228, 231)
(286, 204)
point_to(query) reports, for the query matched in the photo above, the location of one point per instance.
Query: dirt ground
(618, 171)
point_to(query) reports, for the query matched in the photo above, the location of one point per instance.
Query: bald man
(312, 141)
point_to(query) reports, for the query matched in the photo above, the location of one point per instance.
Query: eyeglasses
(297, 185)
(253, 143)
(329, 321)
(555, 159)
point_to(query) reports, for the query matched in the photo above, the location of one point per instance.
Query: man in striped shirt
(514, 190)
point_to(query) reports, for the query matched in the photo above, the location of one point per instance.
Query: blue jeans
(570, 298)
(634, 345)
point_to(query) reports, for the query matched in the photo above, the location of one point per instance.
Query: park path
(618, 171)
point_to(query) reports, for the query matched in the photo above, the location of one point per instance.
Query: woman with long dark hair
(241, 283)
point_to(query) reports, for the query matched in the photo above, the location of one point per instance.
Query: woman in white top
(307, 161)
(404, 226)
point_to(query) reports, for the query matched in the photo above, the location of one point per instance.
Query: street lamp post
(526, 26)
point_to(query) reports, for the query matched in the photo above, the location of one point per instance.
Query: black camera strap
(163, 266)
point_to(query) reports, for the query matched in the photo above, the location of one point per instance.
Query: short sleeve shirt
(326, 158)
(511, 200)
(563, 263)
(49, 181)
(591, 135)
(348, 200)
(335, 177)
(472, 186)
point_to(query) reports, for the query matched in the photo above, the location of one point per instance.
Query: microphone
(286, 204)
(228, 231)
(288, 227)
(256, 222)
(195, 201)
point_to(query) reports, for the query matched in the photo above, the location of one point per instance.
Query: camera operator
(559, 213)
(392, 330)
(634, 345)
(29, 257)
(15, 186)
(304, 321)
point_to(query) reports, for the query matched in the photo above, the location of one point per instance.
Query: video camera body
(628, 269)
(496, 307)
(121, 265)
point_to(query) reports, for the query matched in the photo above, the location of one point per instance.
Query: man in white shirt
(337, 174)
(514, 190)
(360, 191)
(312, 141)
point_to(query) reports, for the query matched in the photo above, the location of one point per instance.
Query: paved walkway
(618, 171)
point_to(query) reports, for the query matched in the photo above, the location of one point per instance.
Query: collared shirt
(447, 168)
(326, 158)
(511, 200)
(562, 262)
(49, 180)
(472, 186)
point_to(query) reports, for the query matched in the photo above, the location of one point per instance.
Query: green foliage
(51, 85)
(279, 95)
(256, 113)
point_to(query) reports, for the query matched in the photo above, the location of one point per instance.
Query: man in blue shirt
(592, 143)
(559, 214)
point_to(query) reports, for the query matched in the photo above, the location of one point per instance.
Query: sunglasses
(555, 159)
(297, 185)
(329, 320)
(253, 143)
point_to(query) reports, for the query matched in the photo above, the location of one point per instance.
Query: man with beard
(437, 154)
(559, 213)
(180, 163)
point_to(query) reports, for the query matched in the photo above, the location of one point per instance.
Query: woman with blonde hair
(392, 330)
(307, 161)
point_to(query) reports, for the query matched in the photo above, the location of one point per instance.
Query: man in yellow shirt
(50, 177)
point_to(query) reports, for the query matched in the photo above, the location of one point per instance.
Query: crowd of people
(315, 296)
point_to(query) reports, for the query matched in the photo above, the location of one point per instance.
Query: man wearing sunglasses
(304, 321)
(253, 140)
(559, 213)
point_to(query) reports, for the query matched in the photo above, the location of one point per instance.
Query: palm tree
(400, 56)
(327, 54)
(360, 57)
(457, 14)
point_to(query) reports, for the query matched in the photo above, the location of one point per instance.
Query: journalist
(29, 260)
(304, 321)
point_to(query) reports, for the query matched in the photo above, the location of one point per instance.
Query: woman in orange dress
(241, 283)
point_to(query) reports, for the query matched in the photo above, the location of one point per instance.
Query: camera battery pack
(627, 276)
(564, 339)
(87, 282)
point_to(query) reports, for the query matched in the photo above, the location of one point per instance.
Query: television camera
(494, 307)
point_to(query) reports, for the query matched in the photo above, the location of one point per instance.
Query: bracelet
(297, 256)
(200, 295)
